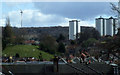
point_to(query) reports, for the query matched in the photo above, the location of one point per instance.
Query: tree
(110, 45)
(89, 42)
(89, 33)
(61, 47)
(8, 36)
(60, 38)
(4, 44)
(19, 39)
(72, 42)
(49, 44)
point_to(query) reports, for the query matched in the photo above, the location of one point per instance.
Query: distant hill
(38, 32)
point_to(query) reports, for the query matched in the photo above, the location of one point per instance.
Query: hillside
(39, 32)
(26, 51)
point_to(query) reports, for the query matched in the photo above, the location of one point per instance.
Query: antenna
(21, 16)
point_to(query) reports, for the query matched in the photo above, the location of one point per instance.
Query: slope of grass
(26, 51)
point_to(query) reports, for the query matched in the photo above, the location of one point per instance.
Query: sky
(46, 14)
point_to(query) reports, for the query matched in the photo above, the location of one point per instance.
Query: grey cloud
(79, 10)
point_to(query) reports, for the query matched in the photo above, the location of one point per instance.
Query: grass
(26, 51)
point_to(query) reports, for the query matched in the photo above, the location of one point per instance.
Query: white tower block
(74, 29)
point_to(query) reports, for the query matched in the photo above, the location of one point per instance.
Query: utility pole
(21, 17)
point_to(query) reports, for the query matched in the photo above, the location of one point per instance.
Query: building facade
(107, 26)
(100, 25)
(74, 29)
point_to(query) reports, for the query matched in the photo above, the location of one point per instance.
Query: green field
(26, 51)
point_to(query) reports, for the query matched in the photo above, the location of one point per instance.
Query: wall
(47, 69)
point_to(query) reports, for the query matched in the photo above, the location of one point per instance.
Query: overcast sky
(42, 14)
